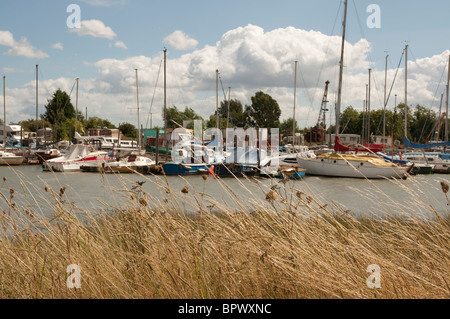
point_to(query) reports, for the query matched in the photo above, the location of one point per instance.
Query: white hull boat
(77, 156)
(130, 164)
(352, 166)
(9, 159)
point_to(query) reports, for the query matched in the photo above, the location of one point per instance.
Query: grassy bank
(288, 246)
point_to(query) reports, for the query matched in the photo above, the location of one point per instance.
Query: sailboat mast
(385, 102)
(229, 102)
(4, 112)
(37, 99)
(217, 98)
(76, 107)
(446, 103)
(165, 106)
(438, 127)
(295, 102)
(138, 110)
(406, 91)
(341, 71)
(368, 108)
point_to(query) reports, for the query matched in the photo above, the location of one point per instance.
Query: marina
(197, 150)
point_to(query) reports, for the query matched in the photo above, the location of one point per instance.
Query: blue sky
(138, 29)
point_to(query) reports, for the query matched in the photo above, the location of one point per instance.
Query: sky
(253, 44)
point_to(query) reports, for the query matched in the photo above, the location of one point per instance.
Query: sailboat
(7, 158)
(440, 161)
(349, 165)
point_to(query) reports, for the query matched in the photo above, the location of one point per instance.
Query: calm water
(93, 191)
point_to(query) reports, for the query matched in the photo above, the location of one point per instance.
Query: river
(418, 196)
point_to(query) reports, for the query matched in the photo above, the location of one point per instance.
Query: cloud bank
(249, 59)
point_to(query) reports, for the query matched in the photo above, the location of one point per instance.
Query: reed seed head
(445, 187)
(271, 196)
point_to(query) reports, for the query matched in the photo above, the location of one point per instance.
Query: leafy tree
(30, 125)
(175, 115)
(423, 125)
(236, 115)
(421, 122)
(264, 111)
(96, 122)
(351, 121)
(286, 127)
(59, 109)
(129, 130)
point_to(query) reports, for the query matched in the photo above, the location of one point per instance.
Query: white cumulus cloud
(94, 28)
(120, 44)
(20, 48)
(178, 40)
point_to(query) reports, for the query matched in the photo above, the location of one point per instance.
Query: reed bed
(185, 244)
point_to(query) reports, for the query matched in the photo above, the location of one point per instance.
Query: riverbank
(290, 245)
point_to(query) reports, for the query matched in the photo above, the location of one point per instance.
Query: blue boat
(397, 159)
(187, 169)
(292, 173)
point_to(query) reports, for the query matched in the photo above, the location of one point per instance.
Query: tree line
(264, 112)
(60, 116)
(423, 124)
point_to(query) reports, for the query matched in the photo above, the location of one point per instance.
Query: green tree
(423, 125)
(175, 117)
(30, 125)
(287, 125)
(236, 115)
(264, 111)
(128, 130)
(57, 110)
(211, 122)
(351, 121)
(96, 122)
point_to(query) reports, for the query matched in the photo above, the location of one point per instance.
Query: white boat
(76, 156)
(351, 166)
(129, 164)
(439, 161)
(10, 159)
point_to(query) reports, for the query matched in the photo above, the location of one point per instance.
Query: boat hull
(442, 169)
(298, 173)
(73, 166)
(124, 169)
(235, 170)
(187, 169)
(11, 161)
(343, 168)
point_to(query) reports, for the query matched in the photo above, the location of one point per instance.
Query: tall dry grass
(288, 246)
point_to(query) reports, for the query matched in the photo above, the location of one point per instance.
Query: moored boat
(10, 159)
(352, 166)
(129, 164)
(187, 169)
(77, 156)
(45, 155)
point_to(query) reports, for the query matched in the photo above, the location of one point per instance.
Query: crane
(323, 108)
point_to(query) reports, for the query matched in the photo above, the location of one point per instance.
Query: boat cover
(409, 144)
